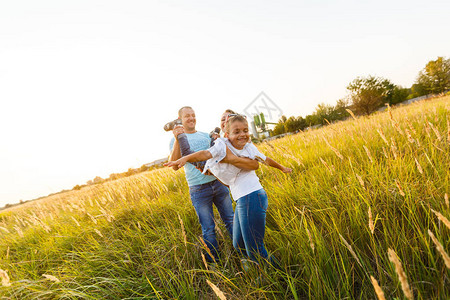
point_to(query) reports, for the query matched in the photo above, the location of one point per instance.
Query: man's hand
(244, 163)
(178, 130)
(179, 163)
(230, 158)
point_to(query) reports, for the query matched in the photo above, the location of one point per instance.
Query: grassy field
(366, 206)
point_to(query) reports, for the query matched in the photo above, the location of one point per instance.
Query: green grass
(123, 239)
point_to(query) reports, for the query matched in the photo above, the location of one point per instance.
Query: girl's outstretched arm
(197, 156)
(271, 163)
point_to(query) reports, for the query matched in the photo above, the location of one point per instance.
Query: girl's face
(238, 134)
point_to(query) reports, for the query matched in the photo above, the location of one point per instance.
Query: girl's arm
(244, 163)
(271, 163)
(197, 156)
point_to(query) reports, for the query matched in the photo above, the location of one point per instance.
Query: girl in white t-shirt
(251, 199)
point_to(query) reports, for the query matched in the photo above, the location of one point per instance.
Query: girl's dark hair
(229, 111)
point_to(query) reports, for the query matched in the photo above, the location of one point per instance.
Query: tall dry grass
(359, 188)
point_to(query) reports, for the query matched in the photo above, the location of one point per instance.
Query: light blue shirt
(198, 141)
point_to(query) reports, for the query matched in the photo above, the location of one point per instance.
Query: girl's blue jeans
(250, 224)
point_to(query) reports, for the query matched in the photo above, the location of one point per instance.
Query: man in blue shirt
(206, 190)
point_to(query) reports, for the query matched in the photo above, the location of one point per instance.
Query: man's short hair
(181, 110)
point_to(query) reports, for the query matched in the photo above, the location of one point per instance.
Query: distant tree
(89, 182)
(311, 120)
(290, 124)
(389, 88)
(302, 123)
(77, 187)
(130, 172)
(340, 109)
(114, 176)
(324, 111)
(399, 95)
(280, 127)
(98, 180)
(369, 93)
(417, 90)
(295, 123)
(435, 77)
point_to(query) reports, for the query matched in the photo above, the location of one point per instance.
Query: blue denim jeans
(203, 196)
(250, 225)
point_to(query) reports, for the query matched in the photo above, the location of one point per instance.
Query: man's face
(188, 119)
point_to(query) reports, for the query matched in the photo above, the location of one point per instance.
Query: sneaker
(171, 125)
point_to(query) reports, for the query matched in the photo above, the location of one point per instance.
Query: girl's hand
(170, 164)
(176, 163)
(286, 170)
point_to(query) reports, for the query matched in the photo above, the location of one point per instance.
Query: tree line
(368, 94)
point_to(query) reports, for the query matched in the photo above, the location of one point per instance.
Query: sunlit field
(363, 215)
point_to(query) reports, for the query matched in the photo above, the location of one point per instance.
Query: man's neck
(190, 131)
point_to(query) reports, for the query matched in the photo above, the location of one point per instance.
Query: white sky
(86, 86)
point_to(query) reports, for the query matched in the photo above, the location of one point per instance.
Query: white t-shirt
(241, 182)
